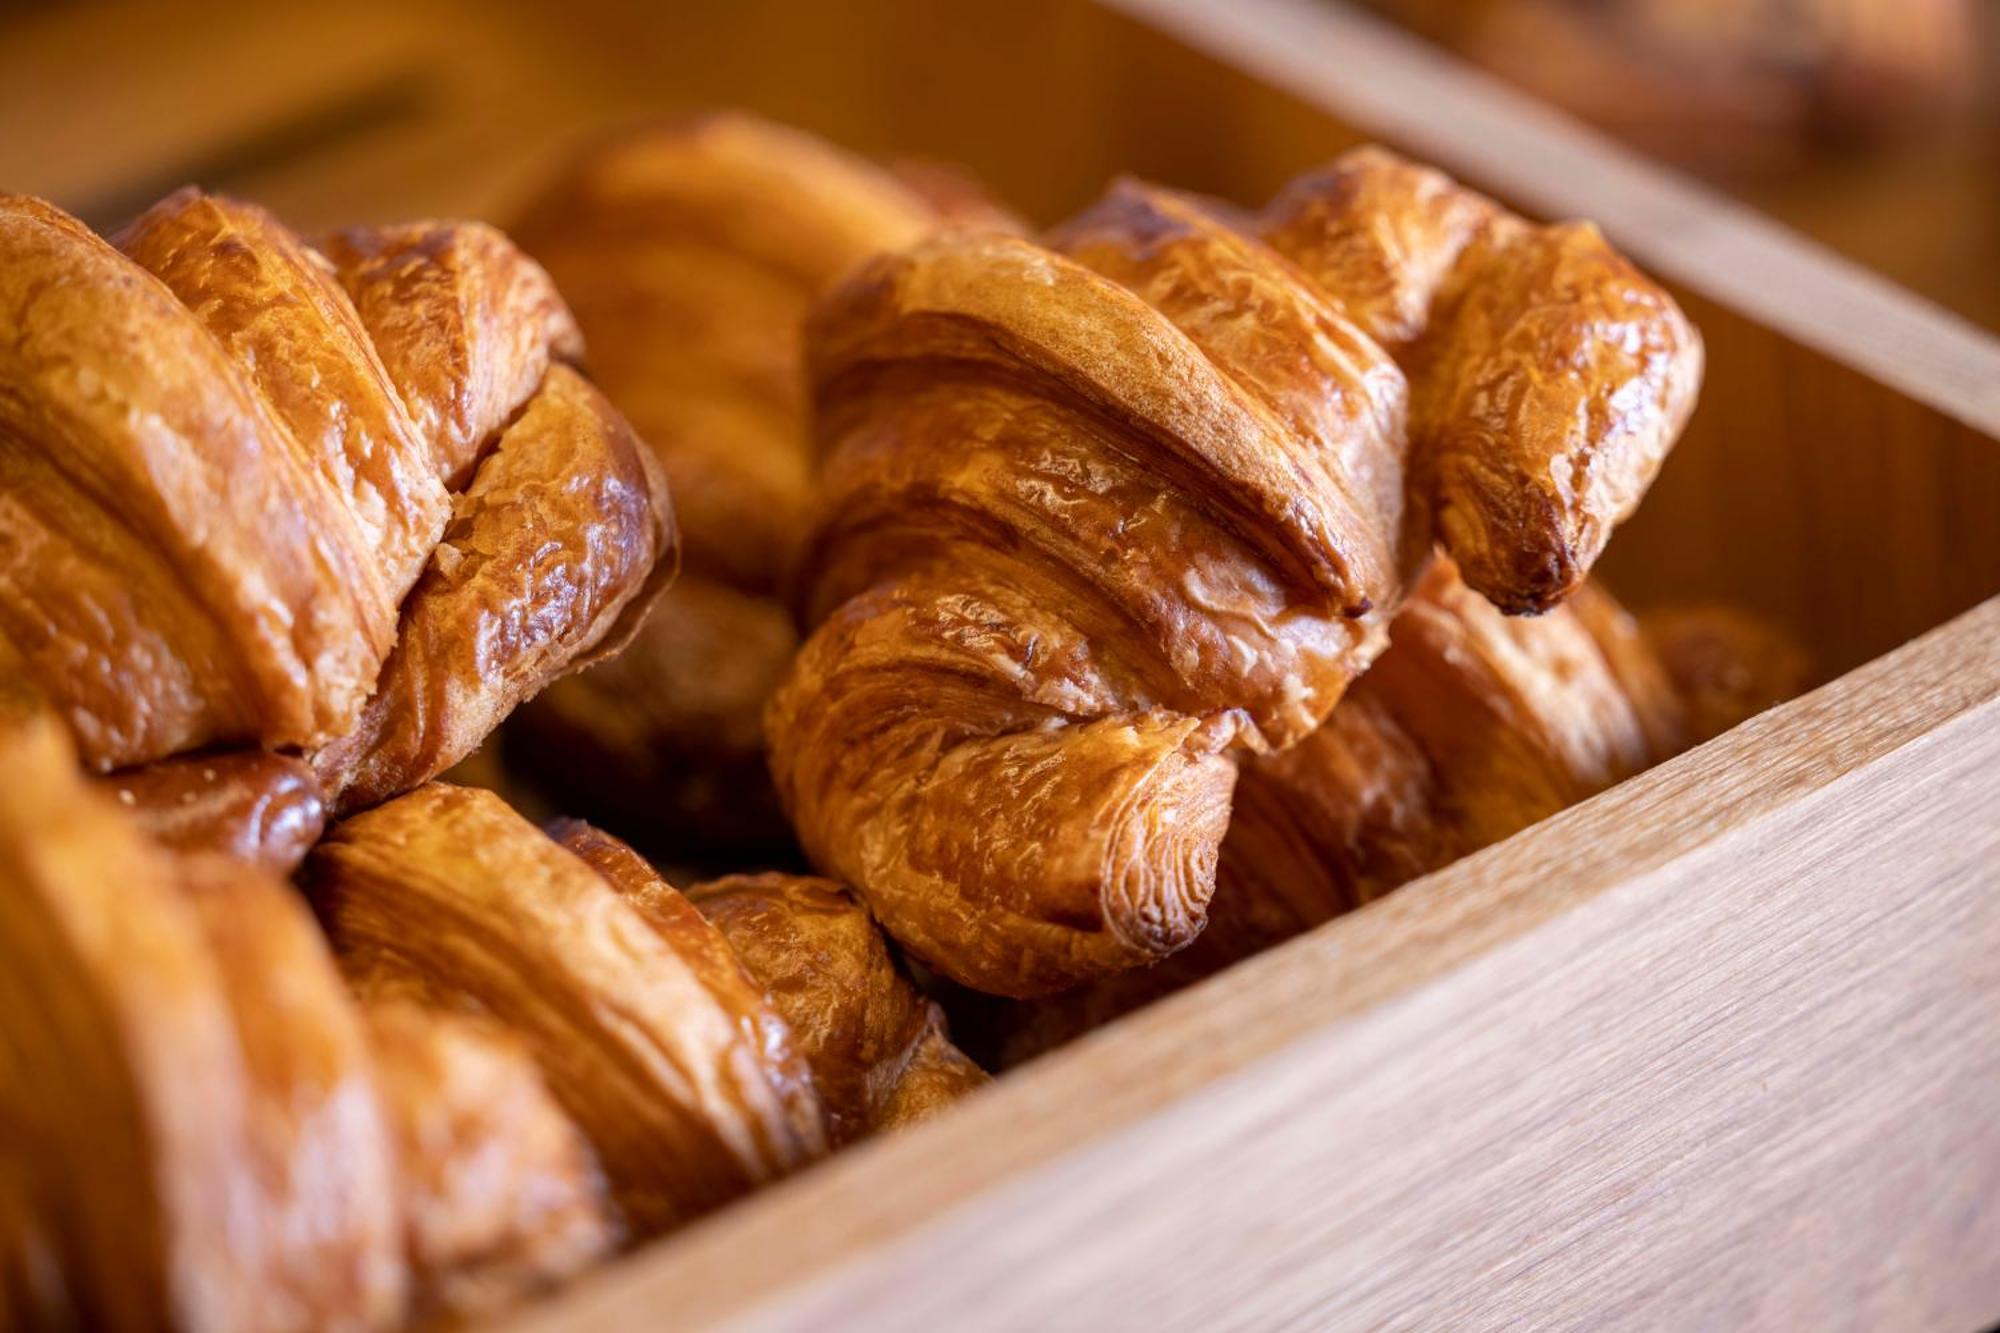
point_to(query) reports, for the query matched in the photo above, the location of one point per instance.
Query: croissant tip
(1541, 592)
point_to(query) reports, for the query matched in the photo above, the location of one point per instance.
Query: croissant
(349, 502)
(690, 254)
(1726, 664)
(1469, 728)
(1098, 518)
(516, 1054)
(653, 1039)
(200, 1132)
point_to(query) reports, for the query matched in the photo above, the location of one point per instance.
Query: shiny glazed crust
(266, 809)
(1099, 517)
(228, 462)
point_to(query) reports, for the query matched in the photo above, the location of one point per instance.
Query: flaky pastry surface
(1098, 517)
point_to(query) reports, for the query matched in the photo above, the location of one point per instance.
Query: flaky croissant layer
(518, 1052)
(350, 501)
(1099, 516)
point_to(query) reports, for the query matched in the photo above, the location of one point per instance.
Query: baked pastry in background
(1729, 86)
(516, 1054)
(690, 254)
(1726, 664)
(1469, 728)
(1101, 517)
(348, 502)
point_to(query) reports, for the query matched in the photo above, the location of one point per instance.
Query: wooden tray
(1718, 1048)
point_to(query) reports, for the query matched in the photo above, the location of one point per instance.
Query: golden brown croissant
(879, 1053)
(1726, 665)
(690, 254)
(349, 502)
(207, 1131)
(652, 1038)
(516, 1053)
(1469, 728)
(1099, 518)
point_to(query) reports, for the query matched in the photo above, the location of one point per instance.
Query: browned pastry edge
(265, 809)
(880, 1051)
(1523, 473)
(557, 550)
(707, 954)
(1471, 727)
(152, 515)
(229, 460)
(812, 979)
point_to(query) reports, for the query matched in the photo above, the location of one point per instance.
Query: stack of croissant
(1103, 607)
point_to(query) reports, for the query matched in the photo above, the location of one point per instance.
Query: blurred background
(1872, 125)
